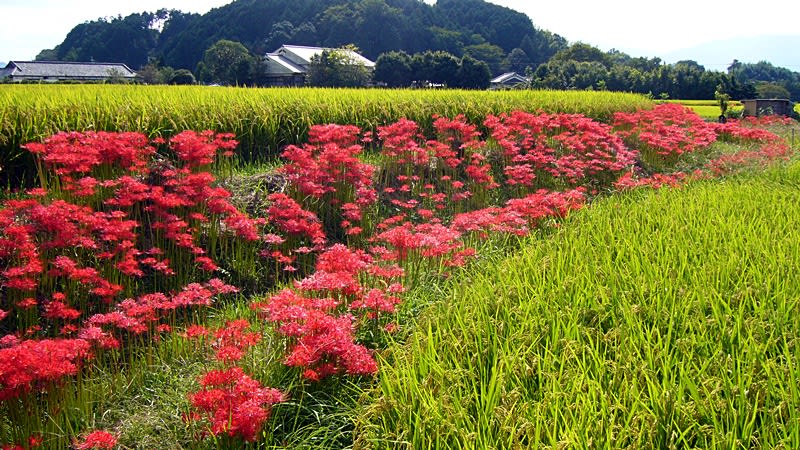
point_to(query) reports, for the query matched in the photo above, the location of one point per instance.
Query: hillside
(178, 39)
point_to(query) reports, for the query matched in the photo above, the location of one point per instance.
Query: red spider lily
(201, 149)
(233, 340)
(401, 142)
(744, 131)
(656, 181)
(234, 403)
(427, 240)
(98, 439)
(376, 300)
(31, 364)
(78, 153)
(329, 161)
(539, 147)
(668, 130)
(291, 218)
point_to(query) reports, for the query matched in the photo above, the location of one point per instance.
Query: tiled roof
(62, 69)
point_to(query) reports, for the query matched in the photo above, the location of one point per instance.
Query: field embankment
(655, 319)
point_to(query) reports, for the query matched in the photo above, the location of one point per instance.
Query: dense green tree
(492, 55)
(182, 76)
(336, 68)
(227, 62)
(767, 89)
(518, 61)
(153, 73)
(48, 54)
(435, 67)
(581, 52)
(473, 74)
(394, 69)
(541, 45)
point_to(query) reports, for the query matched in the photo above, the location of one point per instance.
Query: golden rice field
(263, 120)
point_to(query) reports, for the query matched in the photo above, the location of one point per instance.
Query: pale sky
(637, 27)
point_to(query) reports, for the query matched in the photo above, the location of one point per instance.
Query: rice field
(708, 109)
(656, 319)
(158, 294)
(263, 120)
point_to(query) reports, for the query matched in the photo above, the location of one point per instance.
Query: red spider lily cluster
(664, 133)
(78, 258)
(233, 403)
(568, 147)
(97, 440)
(114, 249)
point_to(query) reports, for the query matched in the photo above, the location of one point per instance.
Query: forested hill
(177, 39)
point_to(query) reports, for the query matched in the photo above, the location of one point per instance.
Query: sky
(636, 27)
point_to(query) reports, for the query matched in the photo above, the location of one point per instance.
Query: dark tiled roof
(60, 69)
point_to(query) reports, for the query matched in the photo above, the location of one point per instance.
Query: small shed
(761, 107)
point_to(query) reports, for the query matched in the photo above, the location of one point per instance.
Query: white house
(288, 65)
(509, 79)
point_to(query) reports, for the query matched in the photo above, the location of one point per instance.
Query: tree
(394, 69)
(227, 62)
(182, 76)
(772, 90)
(337, 68)
(518, 61)
(473, 74)
(435, 67)
(492, 55)
(581, 52)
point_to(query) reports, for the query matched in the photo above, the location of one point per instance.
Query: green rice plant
(655, 319)
(709, 109)
(264, 120)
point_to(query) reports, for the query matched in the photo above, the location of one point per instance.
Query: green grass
(654, 319)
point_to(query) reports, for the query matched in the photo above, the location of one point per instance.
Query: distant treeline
(411, 40)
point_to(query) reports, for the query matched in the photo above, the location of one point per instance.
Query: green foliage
(435, 67)
(722, 100)
(375, 26)
(337, 68)
(473, 74)
(518, 61)
(492, 55)
(582, 52)
(130, 40)
(228, 63)
(764, 72)
(182, 76)
(772, 90)
(654, 320)
(394, 69)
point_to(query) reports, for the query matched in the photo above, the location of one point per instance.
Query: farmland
(160, 292)
(263, 120)
(649, 320)
(708, 109)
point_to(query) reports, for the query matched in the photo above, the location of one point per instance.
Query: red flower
(98, 439)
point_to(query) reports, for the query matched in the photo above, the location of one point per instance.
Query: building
(761, 107)
(508, 80)
(288, 65)
(60, 71)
